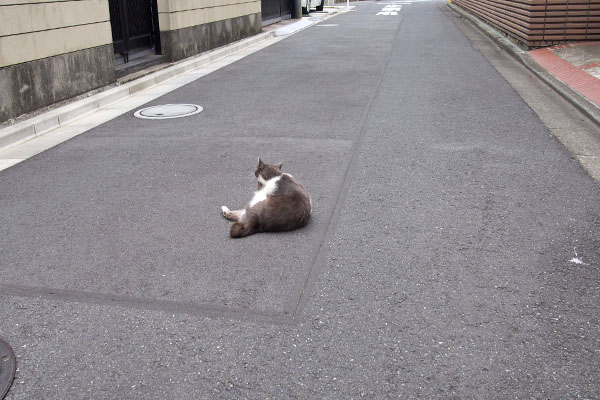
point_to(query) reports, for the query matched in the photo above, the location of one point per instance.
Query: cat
(281, 203)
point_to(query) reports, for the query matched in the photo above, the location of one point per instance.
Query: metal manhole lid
(166, 111)
(8, 366)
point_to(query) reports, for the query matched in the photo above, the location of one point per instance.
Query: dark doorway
(275, 10)
(134, 25)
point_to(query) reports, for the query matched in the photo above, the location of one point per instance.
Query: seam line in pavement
(168, 306)
(342, 191)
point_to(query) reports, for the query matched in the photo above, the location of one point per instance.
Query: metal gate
(275, 10)
(134, 25)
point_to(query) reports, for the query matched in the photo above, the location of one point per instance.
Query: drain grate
(8, 366)
(166, 111)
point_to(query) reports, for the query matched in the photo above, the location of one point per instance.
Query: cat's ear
(279, 166)
(260, 163)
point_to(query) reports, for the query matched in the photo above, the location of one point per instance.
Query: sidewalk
(576, 65)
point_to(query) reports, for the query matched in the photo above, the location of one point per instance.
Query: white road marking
(390, 10)
(576, 260)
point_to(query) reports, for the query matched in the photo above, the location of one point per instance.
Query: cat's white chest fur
(269, 187)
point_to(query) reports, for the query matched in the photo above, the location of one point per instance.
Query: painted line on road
(166, 306)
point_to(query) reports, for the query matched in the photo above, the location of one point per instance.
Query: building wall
(536, 23)
(189, 27)
(51, 50)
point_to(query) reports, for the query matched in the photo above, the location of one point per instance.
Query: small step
(136, 73)
(138, 64)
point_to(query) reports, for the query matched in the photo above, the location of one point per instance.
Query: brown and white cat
(281, 203)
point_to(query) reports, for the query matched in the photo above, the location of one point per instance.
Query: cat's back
(288, 186)
(289, 207)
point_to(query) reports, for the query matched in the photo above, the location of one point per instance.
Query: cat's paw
(224, 211)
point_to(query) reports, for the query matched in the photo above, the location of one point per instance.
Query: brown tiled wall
(540, 22)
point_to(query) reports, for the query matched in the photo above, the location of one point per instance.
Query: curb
(576, 99)
(38, 125)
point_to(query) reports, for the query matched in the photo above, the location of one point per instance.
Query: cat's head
(267, 171)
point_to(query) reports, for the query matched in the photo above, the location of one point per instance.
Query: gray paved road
(436, 265)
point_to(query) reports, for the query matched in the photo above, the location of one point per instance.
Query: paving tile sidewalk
(576, 65)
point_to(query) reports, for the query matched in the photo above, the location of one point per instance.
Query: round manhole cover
(168, 111)
(8, 366)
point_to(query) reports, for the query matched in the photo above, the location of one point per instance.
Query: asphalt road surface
(453, 251)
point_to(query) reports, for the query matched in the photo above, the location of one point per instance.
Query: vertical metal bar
(545, 21)
(124, 30)
(566, 21)
(156, 28)
(587, 20)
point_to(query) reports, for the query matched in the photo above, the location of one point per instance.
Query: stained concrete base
(32, 85)
(187, 42)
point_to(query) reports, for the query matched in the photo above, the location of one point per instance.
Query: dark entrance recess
(134, 25)
(276, 10)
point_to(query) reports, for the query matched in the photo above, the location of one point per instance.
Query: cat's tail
(241, 229)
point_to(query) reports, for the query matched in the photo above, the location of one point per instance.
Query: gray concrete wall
(51, 51)
(186, 42)
(28, 86)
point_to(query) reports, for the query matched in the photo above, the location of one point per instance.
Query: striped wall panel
(32, 30)
(538, 23)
